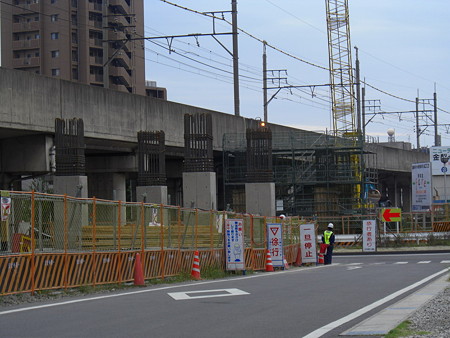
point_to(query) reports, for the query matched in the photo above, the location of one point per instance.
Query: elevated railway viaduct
(30, 104)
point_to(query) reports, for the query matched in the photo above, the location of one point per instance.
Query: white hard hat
(282, 216)
(330, 225)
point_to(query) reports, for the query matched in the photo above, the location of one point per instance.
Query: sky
(404, 49)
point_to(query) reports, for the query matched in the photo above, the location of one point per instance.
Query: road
(292, 303)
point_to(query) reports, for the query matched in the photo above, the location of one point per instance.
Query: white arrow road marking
(206, 294)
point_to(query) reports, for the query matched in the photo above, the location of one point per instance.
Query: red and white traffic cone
(269, 265)
(323, 250)
(195, 273)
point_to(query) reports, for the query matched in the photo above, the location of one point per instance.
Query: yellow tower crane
(342, 86)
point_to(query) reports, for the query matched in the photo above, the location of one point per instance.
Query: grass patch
(403, 330)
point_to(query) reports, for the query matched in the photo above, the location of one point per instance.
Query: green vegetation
(403, 330)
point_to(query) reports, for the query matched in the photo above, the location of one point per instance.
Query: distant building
(152, 90)
(87, 41)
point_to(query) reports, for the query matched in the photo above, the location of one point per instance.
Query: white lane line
(445, 262)
(423, 262)
(331, 326)
(202, 294)
(354, 264)
(401, 263)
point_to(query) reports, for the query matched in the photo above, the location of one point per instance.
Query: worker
(328, 239)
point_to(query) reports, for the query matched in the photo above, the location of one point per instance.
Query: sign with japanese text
(275, 243)
(234, 244)
(437, 159)
(6, 207)
(421, 186)
(308, 243)
(369, 235)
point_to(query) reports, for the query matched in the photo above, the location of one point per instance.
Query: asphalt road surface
(321, 301)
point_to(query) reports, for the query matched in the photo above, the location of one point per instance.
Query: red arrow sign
(388, 214)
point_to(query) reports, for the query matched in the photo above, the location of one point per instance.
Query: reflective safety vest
(327, 235)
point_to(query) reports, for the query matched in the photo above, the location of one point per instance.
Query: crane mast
(341, 71)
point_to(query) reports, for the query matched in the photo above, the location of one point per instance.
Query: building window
(55, 72)
(37, 36)
(53, 1)
(55, 36)
(55, 53)
(54, 17)
(74, 3)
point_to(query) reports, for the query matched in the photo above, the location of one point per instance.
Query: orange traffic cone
(195, 273)
(323, 249)
(138, 274)
(269, 265)
(298, 261)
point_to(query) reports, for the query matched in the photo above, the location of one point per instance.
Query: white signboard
(275, 243)
(369, 235)
(6, 208)
(421, 186)
(234, 242)
(308, 243)
(437, 167)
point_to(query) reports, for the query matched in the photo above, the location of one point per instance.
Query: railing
(54, 241)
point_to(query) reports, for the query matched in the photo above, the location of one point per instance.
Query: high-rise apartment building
(88, 41)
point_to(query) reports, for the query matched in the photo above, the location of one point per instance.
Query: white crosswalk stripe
(445, 262)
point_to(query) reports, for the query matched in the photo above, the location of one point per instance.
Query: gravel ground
(433, 317)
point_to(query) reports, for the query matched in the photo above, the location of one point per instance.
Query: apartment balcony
(96, 60)
(121, 59)
(26, 44)
(26, 26)
(95, 7)
(123, 5)
(95, 42)
(117, 34)
(96, 78)
(26, 62)
(121, 75)
(118, 20)
(24, 8)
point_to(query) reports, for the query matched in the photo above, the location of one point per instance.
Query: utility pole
(363, 98)
(358, 95)
(235, 58)
(417, 123)
(437, 141)
(265, 81)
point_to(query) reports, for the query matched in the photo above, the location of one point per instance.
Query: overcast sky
(403, 50)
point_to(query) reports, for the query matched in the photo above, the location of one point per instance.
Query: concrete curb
(389, 318)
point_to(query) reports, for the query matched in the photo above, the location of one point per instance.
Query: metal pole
(265, 80)
(235, 58)
(436, 136)
(363, 94)
(358, 94)
(417, 123)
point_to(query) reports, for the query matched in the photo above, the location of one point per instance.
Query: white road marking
(423, 262)
(354, 267)
(445, 262)
(211, 294)
(331, 326)
(354, 264)
(401, 263)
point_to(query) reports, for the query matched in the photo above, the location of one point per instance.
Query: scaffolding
(314, 174)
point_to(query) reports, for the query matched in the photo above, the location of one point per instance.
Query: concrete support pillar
(119, 187)
(200, 190)
(152, 194)
(260, 198)
(76, 211)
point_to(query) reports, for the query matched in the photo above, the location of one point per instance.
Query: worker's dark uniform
(328, 238)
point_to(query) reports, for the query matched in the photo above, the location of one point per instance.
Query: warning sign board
(275, 243)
